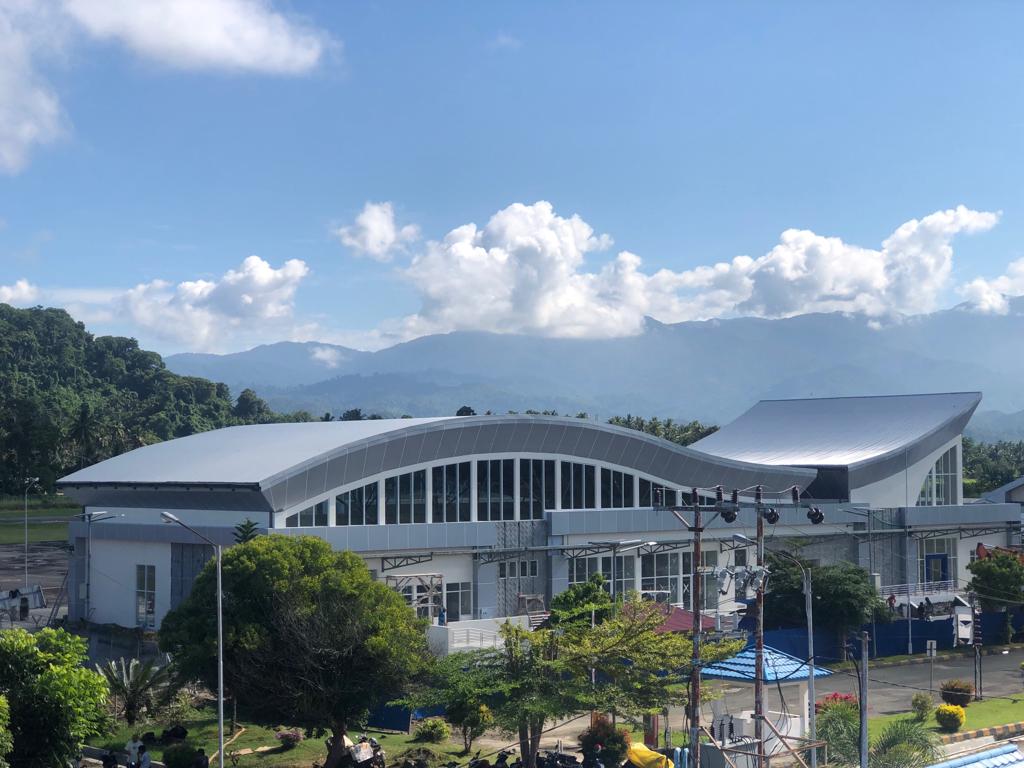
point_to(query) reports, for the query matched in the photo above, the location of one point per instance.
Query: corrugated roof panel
(838, 431)
(777, 666)
(1003, 755)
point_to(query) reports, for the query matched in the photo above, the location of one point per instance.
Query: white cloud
(506, 42)
(375, 233)
(254, 300)
(992, 296)
(21, 294)
(329, 356)
(30, 112)
(244, 35)
(524, 272)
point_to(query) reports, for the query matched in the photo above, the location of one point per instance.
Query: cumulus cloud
(227, 35)
(244, 35)
(254, 299)
(30, 112)
(329, 356)
(993, 296)
(375, 233)
(524, 272)
(506, 42)
(21, 294)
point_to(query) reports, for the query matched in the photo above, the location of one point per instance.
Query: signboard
(932, 648)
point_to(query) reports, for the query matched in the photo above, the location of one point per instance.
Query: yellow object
(643, 757)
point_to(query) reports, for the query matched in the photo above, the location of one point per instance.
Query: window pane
(495, 489)
(306, 517)
(465, 512)
(501, 570)
(537, 490)
(606, 488)
(321, 513)
(341, 513)
(419, 496)
(405, 498)
(579, 499)
(566, 485)
(533, 567)
(451, 493)
(549, 485)
(627, 490)
(370, 499)
(524, 489)
(292, 521)
(616, 490)
(508, 489)
(437, 503)
(645, 492)
(391, 500)
(483, 490)
(588, 483)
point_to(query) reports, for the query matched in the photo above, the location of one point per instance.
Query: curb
(998, 731)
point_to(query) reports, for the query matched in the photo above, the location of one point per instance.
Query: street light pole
(169, 518)
(812, 715)
(29, 483)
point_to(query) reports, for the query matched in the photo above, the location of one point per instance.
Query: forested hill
(69, 399)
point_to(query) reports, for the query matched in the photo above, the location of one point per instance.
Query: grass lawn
(980, 714)
(44, 524)
(202, 732)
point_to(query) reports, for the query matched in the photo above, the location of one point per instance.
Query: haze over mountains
(710, 370)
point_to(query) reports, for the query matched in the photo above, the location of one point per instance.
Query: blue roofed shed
(998, 757)
(778, 667)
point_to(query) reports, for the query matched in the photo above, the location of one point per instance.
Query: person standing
(144, 759)
(132, 748)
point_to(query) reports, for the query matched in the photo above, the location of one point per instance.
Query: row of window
(941, 483)
(664, 576)
(517, 569)
(405, 496)
(427, 601)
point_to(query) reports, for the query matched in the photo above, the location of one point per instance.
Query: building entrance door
(936, 568)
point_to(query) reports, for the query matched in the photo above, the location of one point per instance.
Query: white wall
(903, 488)
(112, 572)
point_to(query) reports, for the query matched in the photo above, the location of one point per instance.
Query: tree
(251, 407)
(903, 743)
(465, 411)
(844, 596)
(352, 414)
(134, 686)
(6, 739)
(998, 580)
(585, 602)
(545, 674)
(310, 638)
(247, 530)
(461, 686)
(55, 702)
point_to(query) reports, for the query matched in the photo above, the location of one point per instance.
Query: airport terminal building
(490, 516)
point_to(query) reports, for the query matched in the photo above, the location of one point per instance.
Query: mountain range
(708, 370)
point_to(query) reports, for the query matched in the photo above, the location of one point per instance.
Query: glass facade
(309, 517)
(654, 495)
(582, 568)
(145, 596)
(942, 483)
(578, 489)
(495, 489)
(405, 498)
(536, 488)
(616, 489)
(451, 484)
(458, 600)
(356, 507)
(518, 569)
(937, 560)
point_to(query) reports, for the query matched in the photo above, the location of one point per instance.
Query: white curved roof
(244, 455)
(838, 431)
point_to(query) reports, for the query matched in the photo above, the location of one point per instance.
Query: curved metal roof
(841, 431)
(288, 463)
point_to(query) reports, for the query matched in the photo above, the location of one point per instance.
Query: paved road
(890, 688)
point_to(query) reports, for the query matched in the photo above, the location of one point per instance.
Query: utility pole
(759, 635)
(30, 482)
(864, 699)
(695, 593)
(910, 610)
(977, 641)
(812, 715)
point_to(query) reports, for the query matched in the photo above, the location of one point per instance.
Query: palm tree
(134, 684)
(904, 743)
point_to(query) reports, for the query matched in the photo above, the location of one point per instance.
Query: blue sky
(690, 134)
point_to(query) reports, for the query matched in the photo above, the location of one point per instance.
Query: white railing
(472, 637)
(924, 588)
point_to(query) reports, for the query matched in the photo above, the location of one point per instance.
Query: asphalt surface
(890, 688)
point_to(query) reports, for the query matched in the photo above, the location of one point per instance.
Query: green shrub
(433, 730)
(950, 717)
(179, 755)
(922, 705)
(956, 691)
(614, 741)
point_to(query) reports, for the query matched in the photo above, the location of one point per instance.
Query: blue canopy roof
(1004, 755)
(778, 666)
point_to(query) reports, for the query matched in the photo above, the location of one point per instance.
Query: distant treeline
(990, 465)
(69, 399)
